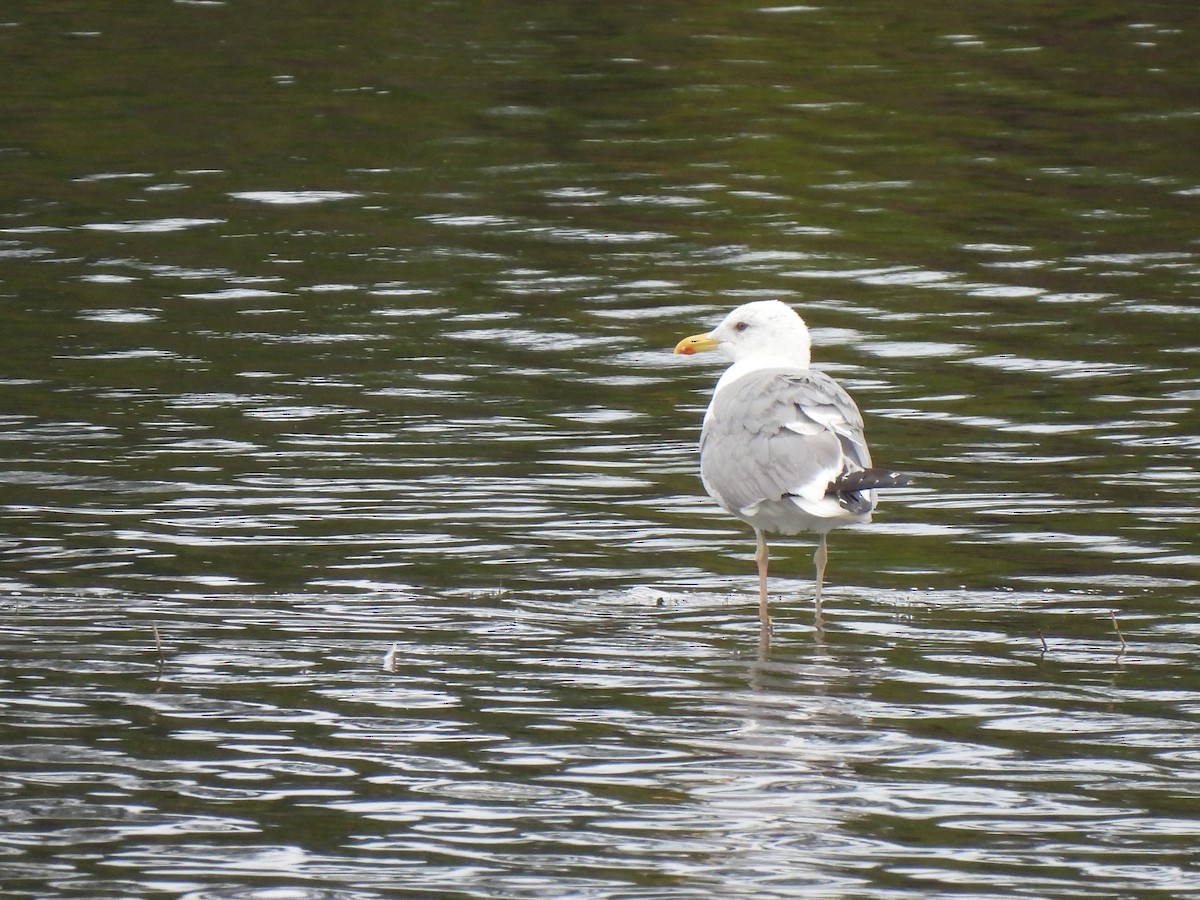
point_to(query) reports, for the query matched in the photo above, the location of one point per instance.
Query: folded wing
(784, 433)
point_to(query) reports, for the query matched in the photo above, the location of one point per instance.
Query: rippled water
(353, 543)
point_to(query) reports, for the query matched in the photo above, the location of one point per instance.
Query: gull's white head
(766, 332)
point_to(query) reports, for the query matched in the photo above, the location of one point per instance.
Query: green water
(334, 332)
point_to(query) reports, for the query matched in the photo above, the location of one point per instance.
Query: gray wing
(776, 432)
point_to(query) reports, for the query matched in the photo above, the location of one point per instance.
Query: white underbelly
(792, 515)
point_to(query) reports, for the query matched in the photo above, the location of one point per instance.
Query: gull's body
(782, 446)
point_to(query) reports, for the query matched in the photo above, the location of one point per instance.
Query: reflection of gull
(782, 446)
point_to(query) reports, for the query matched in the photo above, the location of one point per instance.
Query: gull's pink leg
(761, 557)
(819, 559)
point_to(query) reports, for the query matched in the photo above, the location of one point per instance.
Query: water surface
(353, 540)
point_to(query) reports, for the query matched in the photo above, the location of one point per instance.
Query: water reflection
(558, 742)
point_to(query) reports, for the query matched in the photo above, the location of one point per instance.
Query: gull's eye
(741, 326)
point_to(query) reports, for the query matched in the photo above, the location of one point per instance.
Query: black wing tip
(899, 479)
(869, 480)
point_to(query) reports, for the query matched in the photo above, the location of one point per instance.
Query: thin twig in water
(1042, 638)
(158, 646)
(1117, 629)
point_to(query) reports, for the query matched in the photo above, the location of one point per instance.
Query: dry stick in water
(158, 645)
(1117, 629)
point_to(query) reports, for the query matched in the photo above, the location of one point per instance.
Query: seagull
(782, 447)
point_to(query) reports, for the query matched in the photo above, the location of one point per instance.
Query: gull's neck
(744, 367)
